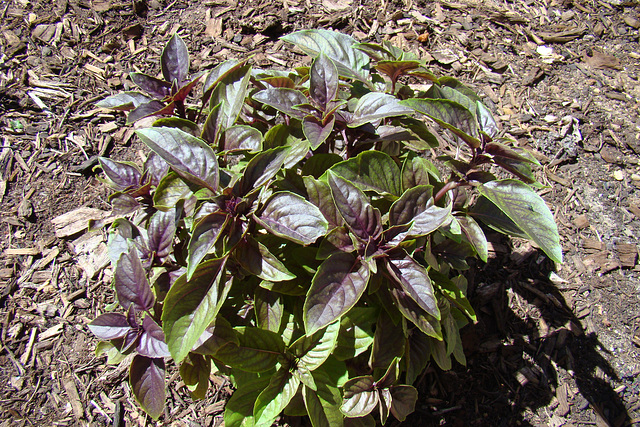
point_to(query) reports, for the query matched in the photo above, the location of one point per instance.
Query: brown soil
(554, 345)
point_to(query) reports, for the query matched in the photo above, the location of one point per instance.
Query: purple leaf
(205, 234)
(371, 171)
(156, 87)
(337, 240)
(123, 174)
(132, 286)
(283, 100)
(430, 220)
(109, 326)
(146, 377)
(151, 108)
(415, 171)
(412, 312)
(269, 309)
(184, 91)
(337, 285)
(231, 93)
(175, 60)
(125, 101)
(189, 156)
(413, 202)
(178, 123)
(323, 81)
(403, 401)
(292, 217)
(261, 169)
(320, 195)
(487, 123)
(152, 342)
(415, 281)
(354, 207)
(211, 130)
(315, 131)
(218, 73)
(162, 229)
(395, 69)
(360, 397)
(242, 138)
(156, 167)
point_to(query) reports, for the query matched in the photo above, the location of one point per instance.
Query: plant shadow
(529, 359)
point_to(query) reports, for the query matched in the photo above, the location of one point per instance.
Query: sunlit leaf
(528, 211)
(313, 350)
(475, 235)
(415, 281)
(323, 80)
(152, 342)
(146, 377)
(292, 217)
(269, 309)
(190, 306)
(395, 69)
(205, 234)
(356, 332)
(124, 101)
(257, 350)
(156, 87)
(162, 229)
(450, 115)
(109, 326)
(123, 174)
(242, 137)
(360, 397)
(283, 100)
(231, 92)
(189, 156)
(336, 287)
(315, 131)
(375, 106)
(350, 62)
(179, 123)
(320, 196)
(371, 170)
(354, 207)
(131, 283)
(175, 60)
(261, 168)
(238, 410)
(275, 397)
(170, 191)
(413, 202)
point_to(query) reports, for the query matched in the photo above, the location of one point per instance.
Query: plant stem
(444, 190)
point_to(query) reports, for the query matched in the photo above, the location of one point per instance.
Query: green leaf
(354, 207)
(313, 350)
(453, 293)
(403, 401)
(269, 309)
(290, 216)
(323, 81)
(371, 171)
(190, 306)
(415, 281)
(360, 397)
(275, 397)
(356, 332)
(475, 235)
(528, 211)
(257, 350)
(190, 157)
(417, 355)
(450, 115)
(257, 260)
(319, 163)
(336, 287)
(231, 92)
(238, 411)
(388, 342)
(323, 405)
(204, 236)
(114, 357)
(179, 123)
(351, 63)
(215, 337)
(240, 137)
(375, 106)
(260, 169)
(414, 313)
(195, 371)
(170, 191)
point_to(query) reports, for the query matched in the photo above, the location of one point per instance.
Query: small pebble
(618, 175)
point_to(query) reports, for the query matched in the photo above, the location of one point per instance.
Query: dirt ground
(555, 345)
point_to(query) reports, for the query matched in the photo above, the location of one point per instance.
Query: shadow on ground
(527, 353)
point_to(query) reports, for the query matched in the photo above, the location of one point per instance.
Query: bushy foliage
(298, 238)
